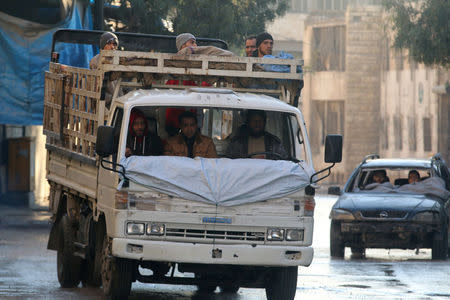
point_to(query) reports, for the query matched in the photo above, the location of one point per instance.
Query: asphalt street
(28, 270)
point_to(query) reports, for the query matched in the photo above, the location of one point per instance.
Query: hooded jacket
(148, 143)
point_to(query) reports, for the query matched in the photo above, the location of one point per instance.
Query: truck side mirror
(105, 141)
(333, 148)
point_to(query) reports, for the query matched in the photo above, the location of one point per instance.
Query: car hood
(375, 201)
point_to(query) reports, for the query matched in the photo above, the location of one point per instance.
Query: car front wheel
(440, 244)
(337, 248)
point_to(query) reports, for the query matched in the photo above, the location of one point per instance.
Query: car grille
(216, 234)
(383, 214)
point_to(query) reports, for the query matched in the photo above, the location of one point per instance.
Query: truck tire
(91, 274)
(440, 244)
(337, 248)
(282, 283)
(359, 251)
(229, 288)
(68, 266)
(117, 273)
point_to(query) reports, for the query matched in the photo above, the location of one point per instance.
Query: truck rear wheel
(337, 248)
(229, 288)
(282, 283)
(117, 273)
(68, 265)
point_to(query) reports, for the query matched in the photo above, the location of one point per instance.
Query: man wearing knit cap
(264, 44)
(185, 40)
(108, 41)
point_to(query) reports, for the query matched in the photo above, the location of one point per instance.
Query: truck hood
(220, 181)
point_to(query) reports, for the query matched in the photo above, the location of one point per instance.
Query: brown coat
(203, 147)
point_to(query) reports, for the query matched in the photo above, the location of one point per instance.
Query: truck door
(108, 180)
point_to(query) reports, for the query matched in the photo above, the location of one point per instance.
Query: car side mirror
(333, 148)
(334, 190)
(105, 141)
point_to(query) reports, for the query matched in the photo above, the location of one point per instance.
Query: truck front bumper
(252, 255)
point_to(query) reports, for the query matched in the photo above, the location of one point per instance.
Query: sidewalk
(22, 216)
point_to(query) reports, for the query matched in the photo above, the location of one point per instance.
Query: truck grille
(216, 234)
(383, 214)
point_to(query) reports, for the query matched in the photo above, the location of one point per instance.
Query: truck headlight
(275, 234)
(135, 228)
(294, 234)
(426, 216)
(156, 229)
(341, 214)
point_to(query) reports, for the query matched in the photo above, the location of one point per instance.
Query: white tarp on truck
(220, 181)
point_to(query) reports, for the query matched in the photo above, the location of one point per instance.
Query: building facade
(357, 85)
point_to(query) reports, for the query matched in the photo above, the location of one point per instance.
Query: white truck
(210, 222)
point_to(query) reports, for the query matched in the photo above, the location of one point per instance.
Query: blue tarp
(24, 58)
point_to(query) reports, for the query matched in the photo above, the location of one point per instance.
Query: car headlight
(294, 234)
(275, 234)
(156, 229)
(135, 228)
(341, 214)
(426, 216)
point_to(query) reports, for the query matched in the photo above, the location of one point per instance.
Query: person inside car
(379, 176)
(413, 177)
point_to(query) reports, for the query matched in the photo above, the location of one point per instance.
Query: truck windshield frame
(223, 124)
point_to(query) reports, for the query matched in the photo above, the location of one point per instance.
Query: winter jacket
(148, 143)
(203, 146)
(238, 147)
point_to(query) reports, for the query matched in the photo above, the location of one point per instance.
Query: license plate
(216, 220)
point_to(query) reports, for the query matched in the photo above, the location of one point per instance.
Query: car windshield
(235, 133)
(422, 181)
(365, 179)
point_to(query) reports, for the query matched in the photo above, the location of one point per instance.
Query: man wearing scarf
(140, 141)
(189, 142)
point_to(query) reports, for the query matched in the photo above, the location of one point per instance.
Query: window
(427, 134)
(412, 133)
(298, 6)
(398, 133)
(332, 120)
(328, 52)
(385, 133)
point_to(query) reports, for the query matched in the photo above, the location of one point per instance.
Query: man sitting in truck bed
(189, 142)
(140, 140)
(254, 141)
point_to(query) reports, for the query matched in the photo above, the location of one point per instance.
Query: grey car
(399, 210)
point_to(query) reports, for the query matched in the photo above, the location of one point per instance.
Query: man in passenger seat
(189, 142)
(254, 139)
(139, 140)
(413, 177)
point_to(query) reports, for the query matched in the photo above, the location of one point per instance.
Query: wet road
(28, 271)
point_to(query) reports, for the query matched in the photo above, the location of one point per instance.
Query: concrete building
(22, 166)
(357, 85)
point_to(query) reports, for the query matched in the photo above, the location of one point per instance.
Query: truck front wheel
(68, 265)
(117, 273)
(282, 283)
